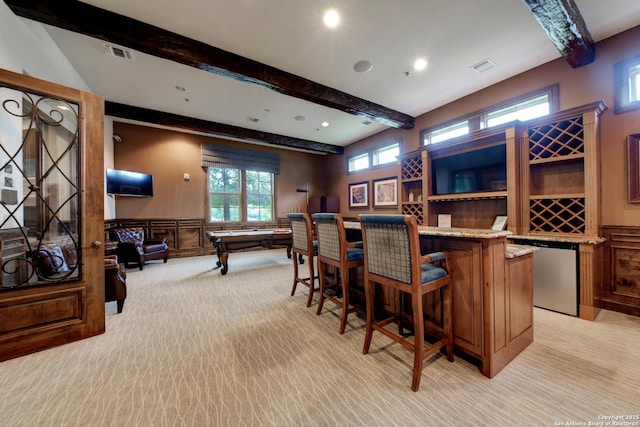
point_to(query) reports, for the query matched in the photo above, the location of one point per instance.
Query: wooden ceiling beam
(114, 28)
(564, 25)
(216, 129)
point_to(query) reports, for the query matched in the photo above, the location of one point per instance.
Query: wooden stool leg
(369, 295)
(418, 349)
(344, 277)
(295, 274)
(322, 272)
(311, 280)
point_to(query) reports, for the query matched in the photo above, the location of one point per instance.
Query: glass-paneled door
(51, 215)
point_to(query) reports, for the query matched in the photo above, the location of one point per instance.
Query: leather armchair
(133, 247)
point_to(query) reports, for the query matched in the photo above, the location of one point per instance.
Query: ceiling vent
(118, 51)
(483, 66)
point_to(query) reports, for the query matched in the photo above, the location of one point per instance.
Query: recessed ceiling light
(300, 118)
(325, 124)
(331, 18)
(363, 66)
(420, 64)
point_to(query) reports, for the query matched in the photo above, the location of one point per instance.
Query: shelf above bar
(468, 196)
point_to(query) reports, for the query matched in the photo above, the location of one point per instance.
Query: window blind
(221, 156)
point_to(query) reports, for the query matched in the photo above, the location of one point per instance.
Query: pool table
(226, 241)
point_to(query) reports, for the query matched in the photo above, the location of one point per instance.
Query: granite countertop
(462, 232)
(447, 232)
(515, 251)
(593, 240)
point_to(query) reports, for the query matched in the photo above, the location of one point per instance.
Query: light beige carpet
(194, 348)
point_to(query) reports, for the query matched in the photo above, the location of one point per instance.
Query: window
(535, 104)
(627, 85)
(259, 196)
(240, 182)
(359, 162)
(525, 110)
(224, 194)
(227, 193)
(386, 154)
(378, 157)
(447, 132)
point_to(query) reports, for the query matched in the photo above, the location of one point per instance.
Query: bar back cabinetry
(468, 178)
(563, 173)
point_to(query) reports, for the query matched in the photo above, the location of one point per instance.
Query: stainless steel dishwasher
(555, 275)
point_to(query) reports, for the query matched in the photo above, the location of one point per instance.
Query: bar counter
(492, 292)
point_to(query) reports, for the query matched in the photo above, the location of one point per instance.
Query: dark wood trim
(564, 25)
(218, 129)
(92, 21)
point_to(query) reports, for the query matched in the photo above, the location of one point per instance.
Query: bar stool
(334, 250)
(303, 245)
(393, 259)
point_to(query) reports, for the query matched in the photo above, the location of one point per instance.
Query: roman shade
(221, 156)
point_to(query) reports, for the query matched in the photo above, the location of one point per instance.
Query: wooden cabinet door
(465, 264)
(53, 201)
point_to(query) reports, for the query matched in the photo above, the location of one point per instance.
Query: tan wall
(168, 155)
(580, 86)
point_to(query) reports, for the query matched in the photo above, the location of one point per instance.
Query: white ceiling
(453, 35)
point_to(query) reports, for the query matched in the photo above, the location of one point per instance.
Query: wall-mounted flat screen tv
(128, 183)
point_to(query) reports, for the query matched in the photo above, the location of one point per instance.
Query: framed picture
(385, 192)
(500, 223)
(634, 166)
(359, 195)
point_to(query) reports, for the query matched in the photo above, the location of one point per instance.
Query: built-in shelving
(467, 196)
(563, 175)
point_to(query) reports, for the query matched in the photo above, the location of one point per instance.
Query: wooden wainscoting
(185, 237)
(621, 284)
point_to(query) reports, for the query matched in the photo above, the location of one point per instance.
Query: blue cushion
(432, 272)
(436, 256)
(315, 245)
(384, 219)
(355, 254)
(323, 216)
(359, 244)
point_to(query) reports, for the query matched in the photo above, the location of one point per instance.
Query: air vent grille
(119, 52)
(483, 66)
